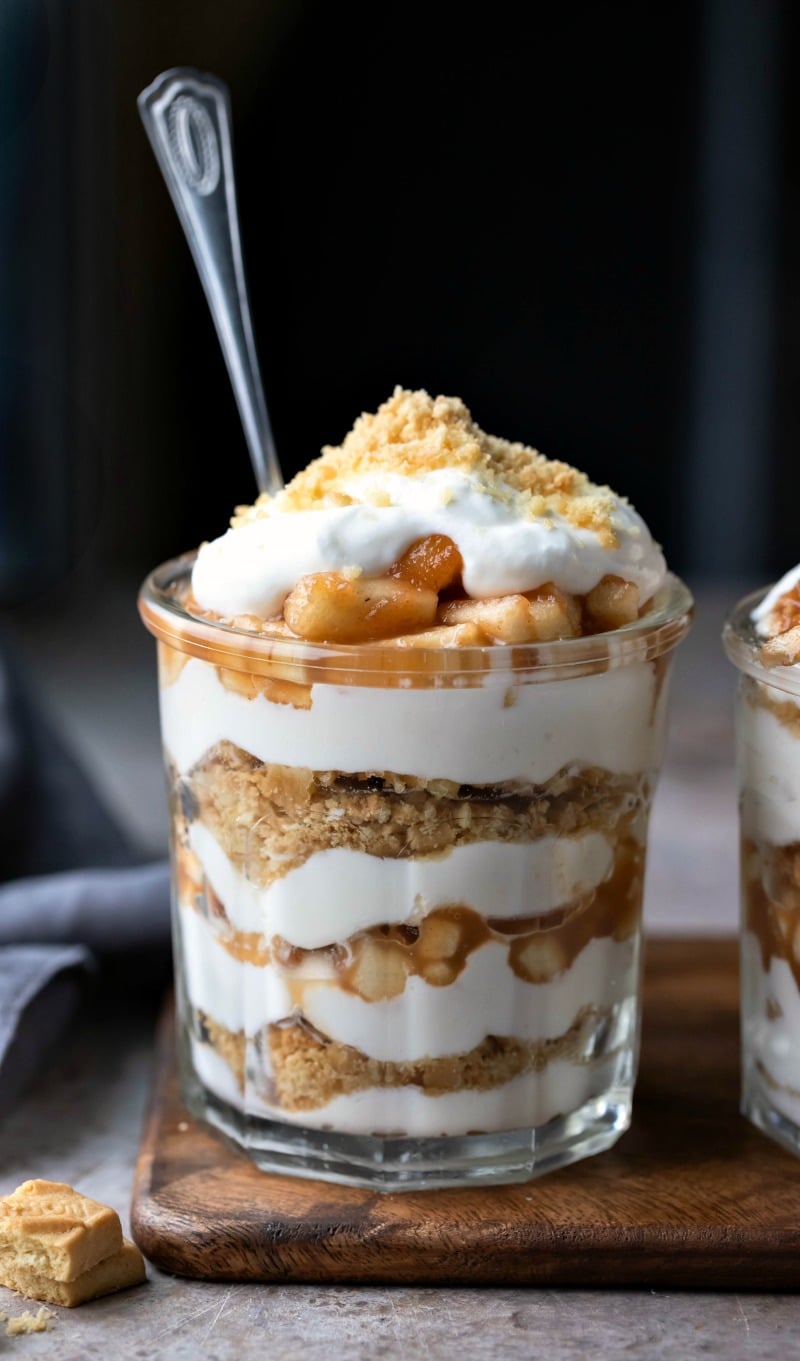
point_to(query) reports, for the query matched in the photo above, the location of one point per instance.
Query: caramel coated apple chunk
(535, 617)
(380, 972)
(443, 635)
(432, 563)
(538, 958)
(785, 614)
(783, 649)
(329, 607)
(612, 604)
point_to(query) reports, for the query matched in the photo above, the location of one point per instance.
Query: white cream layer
(470, 735)
(769, 775)
(239, 996)
(487, 998)
(773, 1043)
(529, 1100)
(251, 569)
(337, 893)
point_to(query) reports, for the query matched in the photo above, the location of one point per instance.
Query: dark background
(580, 217)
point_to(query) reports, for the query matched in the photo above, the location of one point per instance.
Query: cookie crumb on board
(28, 1323)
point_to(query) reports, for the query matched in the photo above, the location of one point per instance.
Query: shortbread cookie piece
(122, 1269)
(51, 1230)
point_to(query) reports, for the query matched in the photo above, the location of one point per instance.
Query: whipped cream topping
(253, 567)
(762, 615)
(420, 466)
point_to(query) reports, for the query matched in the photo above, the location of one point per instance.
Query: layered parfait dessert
(412, 709)
(764, 640)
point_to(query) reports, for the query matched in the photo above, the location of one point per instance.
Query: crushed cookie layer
(271, 818)
(230, 1045)
(308, 1070)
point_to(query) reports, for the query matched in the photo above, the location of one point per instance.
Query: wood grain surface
(691, 1196)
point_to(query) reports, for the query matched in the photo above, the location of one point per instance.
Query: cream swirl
(251, 568)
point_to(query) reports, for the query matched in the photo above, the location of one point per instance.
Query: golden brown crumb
(413, 433)
(785, 613)
(230, 1045)
(782, 626)
(783, 649)
(271, 818)
(310, 1070)
(28, 1323)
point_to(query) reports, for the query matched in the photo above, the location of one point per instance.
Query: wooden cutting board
(690, 1196)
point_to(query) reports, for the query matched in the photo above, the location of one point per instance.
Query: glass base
(409, 1164)
(760, 1108)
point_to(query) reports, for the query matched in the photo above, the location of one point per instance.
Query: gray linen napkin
(73, 899)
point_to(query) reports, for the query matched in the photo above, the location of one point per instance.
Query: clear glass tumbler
(768, 746)
(407, 891)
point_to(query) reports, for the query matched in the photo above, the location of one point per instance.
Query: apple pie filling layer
(270, 819)
(376, 1002)
(771, 892)
(375, 964)
(771, 970)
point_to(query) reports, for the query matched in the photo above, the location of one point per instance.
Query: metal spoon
(187, 116)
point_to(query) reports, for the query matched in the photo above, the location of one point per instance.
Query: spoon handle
(187, 116)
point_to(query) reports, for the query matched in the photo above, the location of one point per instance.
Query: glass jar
(407, 890)
(768, 749)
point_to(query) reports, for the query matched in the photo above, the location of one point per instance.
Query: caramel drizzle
(376, 963)
(761, 696)
(170, 663)
(771, 901)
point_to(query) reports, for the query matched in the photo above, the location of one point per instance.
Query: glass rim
(649, 637)
(742, 645)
